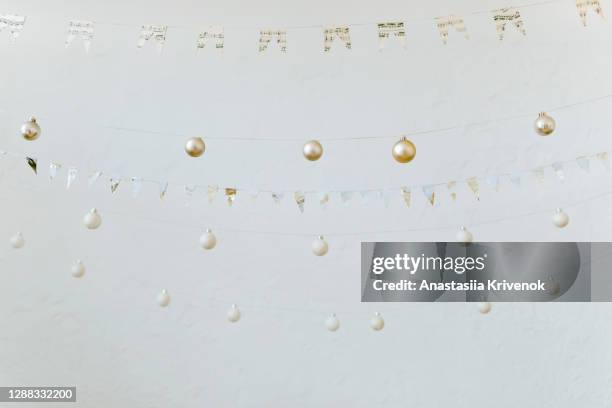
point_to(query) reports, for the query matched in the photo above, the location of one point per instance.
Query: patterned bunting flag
(444, 23)
(505, 16)
(406, 195)
(156, 33)
(430, 194)
(214, 33)
(81, 29)
(277, 197)
(386, 30)
(323, 199)
(114, 184)
(583, 7)
(300, 199)
(33, 163)
(341, 32)
(14, 23)
(265, 36)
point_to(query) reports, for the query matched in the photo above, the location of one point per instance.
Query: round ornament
(163, 298)
(319, 246)
(92, 219)
(464, 236)
(544, 125)
(560, 218)
(313, 150)
(208, 240)
(233, 314)
(332, 323)
(404, 150)
(78, 269)
(552, 287)
(484, 307)
(195, 147)
(377, 322)
(30, 130)
(17, 241)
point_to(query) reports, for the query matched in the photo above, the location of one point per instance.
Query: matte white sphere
(92, 219)
(377, 322)
(319, 246)
(332, 323)
(78, 269)
(560, 218)
(233, 314)
(163, 298)
(464, 236)
(484, 307)
(17, 241)
(208, 240)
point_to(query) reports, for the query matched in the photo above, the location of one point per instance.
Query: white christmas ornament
(560, 219)
(208, 240)
(163, 298)
(233, 314)
(92, 219)
(377, 322)
(17, 241)
(464, 236)
(332, 323)
(78, 269)
(319, 246)
(484, 307)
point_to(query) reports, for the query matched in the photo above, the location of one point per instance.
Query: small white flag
(72, 175)
(93, 178)
(136, 186)
(53, 169)
(584, 163)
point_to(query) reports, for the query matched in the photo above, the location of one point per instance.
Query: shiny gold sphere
(30, 130)
(313, 150)
(404, 151)
(544, 124)
(195, 147)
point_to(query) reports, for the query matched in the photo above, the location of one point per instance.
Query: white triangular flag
(603, 157)
(430, 194)
(72, 175)
(53, 169)
(346, 197)
(558, 169)
(515, 179)
(163, 189)
(156, 33)
(300, 199)
(538, 173)
(93, 178)
(188, 190)
(474, 185)
(493, 182)
(277, 197)
(323, 197)
(136, 186)
(584, 163)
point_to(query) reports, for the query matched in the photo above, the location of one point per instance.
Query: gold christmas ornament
(313, 150)
(404, 150)
(544, 124)
(195, 147)
(30, 130)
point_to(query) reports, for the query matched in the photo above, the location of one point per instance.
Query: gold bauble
(30, 130)
(313, 150)
(544, 124)
(404, 150)
(195, 147)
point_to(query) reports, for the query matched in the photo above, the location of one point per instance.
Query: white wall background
(105, 333)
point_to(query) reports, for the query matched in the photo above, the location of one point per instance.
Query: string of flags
(431, 193)
(333, 36)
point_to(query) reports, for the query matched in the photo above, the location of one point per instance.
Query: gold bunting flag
(386, 30)
(444, 23)
(505, 16)
(265, 36)
(474, 186)
(214, 33)
(341, 32)
(430, 194)
(230, 193)
(583, 7)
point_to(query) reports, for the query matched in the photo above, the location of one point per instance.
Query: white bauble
(319, 246)
(30, 130)
(484, 307)
(92, 219)
(208, 240)
(377, 322)
(332, 323)
(163, 298)
(233, 314)
(78, 269)
(464, 236)
(17, 241)
(560, 218)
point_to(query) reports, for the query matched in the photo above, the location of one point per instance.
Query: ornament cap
(542, 114)
(321, 237)
(32, 119)
(93, 210)
(208, 230)
(558, 210)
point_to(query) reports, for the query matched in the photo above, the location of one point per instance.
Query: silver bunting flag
(13, 23)
(80, 29)
(493, 182)
(346, 197)
(71, 177)
(189, 190)
(277, 197)
(515, 179)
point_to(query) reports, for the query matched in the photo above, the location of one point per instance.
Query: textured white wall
(105, 334)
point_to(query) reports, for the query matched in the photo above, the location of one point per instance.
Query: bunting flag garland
(345, 197)
(395, 29)
(156, 33)
(189, 190)
(265, 36)
(214, 33)
(507, 15)
(14, 23)
(341, 32)
(583, 7)
(444, 23)
(80, 29)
